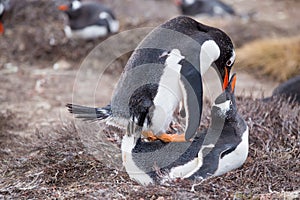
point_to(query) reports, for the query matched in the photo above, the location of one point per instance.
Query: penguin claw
(149, 135)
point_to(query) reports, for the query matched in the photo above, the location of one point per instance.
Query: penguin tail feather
(89, 113)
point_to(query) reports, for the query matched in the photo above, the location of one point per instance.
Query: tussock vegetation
(59, 165)
(278, 58)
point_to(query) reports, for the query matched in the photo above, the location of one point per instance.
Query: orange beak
(1, 28)
(226, 78)
(63, 7)
(233, 83)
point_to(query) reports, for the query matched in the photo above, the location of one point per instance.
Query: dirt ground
(44, 153)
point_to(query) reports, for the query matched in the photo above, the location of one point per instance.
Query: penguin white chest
(169, 93)
(90, 32)
(236, 158)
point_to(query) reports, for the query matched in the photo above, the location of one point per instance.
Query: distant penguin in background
(164, 72)
(89, 20)
(4, 5)
(221, 148)
(204, 7)
(288, 89)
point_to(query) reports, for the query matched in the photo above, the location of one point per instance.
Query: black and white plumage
(221, 148)
(164, 71)
(289, 89)
(204, 7)
(89, 20)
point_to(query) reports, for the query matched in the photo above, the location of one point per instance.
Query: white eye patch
(232, 59)
(224, 107)
(76, 5)
(103, 15)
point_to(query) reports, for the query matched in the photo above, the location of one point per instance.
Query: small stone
(61, 65)
(9, 68)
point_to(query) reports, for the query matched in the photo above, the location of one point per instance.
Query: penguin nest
(277, 58)
(58, 164)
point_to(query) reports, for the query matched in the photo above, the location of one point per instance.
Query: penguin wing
(191, 86)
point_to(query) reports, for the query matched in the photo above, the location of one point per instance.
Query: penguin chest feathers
(236, 158)
(169, 92)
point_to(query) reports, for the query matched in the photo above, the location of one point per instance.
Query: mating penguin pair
(164, 72)
(221, 148)
(89, 20)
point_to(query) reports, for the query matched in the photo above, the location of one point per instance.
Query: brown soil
(43, 152)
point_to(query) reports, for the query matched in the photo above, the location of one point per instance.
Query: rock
(62, 65)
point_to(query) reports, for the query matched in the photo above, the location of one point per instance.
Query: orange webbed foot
(149, 135)
(172, 137)
(165, 137)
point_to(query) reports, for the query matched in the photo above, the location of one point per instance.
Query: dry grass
(57, 165)
(278, 58)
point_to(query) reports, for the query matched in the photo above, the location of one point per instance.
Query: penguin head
(71, 7)
(226, 58)
(224, 106)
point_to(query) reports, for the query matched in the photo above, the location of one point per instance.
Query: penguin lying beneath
(89, 20)
(164, 71)
(221, 148)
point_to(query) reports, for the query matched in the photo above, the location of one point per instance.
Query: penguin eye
(231, 60)
(230, 103)
(228, 63)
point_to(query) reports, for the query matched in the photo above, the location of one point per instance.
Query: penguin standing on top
(4, 5)
(89, 20)
(207, 7)
(164, 72)
(221, 148)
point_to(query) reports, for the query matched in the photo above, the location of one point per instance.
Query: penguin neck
(74, 14)
(232, 125)
(221, 123)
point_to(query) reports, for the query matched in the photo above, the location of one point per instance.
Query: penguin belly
(236, 158)
(89, 32)
(169, 93)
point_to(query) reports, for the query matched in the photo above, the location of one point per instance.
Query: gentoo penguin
(207, 7)
(89, 20)
(288, 89)
(221, 148)
(4, 5)
(163, 72)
